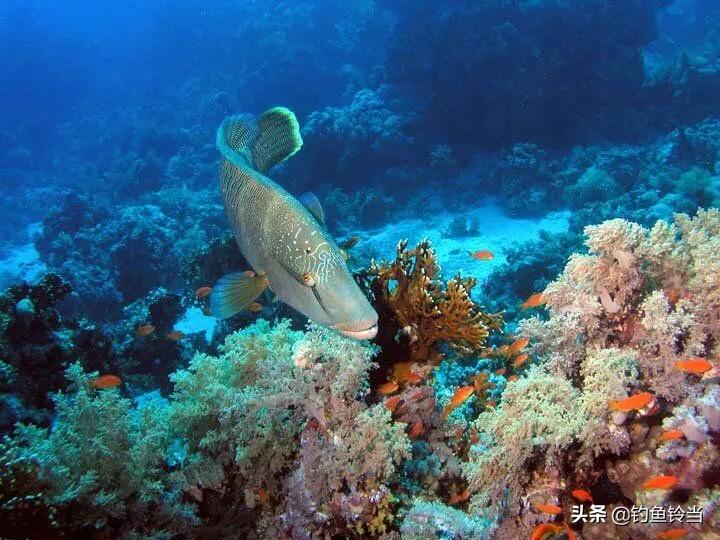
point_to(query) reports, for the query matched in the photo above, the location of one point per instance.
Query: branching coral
(414, 302)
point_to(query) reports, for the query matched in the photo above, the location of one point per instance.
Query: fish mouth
(368, 333)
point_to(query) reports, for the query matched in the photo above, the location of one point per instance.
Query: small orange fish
(542, 531)
(255, 307)
(175, 335)
(203, 292)
(518, 345)
(520, 360)
(388, 388)
(482, 255)
(500, 371)
(459, 397)
(392, 403)
(553, 509)
(491, 403)
(672, 533)
(534, 300)
(262, 496)
(694, 365)
(413, 378)
(474, 437)
(459, 497)
(249, 273)
(416, 430)
(671, 435)
(144, 330)
(660, 482)
(632, 403)
(581, 495)
(569, 532)
(673, 295)
(106, 382)
(402, 372)
(513, 378)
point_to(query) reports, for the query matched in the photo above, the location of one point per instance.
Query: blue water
(505, 126)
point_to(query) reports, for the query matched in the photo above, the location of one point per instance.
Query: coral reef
(422, 112)
(288, 429)
(620, 320)
(145, 361)
(428, 521)
(114, 256)
(25, 510)
(276, 425)
(364, 132)
(37, 344)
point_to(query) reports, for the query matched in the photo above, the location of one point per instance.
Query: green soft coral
(538, 412)
(102, 453)
(274, 405)
(248, 405)
(221, 404)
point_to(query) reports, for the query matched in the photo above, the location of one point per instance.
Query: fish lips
(352, 332)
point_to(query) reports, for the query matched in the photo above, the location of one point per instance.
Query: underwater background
(526, 191)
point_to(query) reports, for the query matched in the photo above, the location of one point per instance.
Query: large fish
(284, 241)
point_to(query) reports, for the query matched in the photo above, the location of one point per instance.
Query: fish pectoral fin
(234, 292)
(312, 203)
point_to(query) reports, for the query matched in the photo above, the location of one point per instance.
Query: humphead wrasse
(284, 240)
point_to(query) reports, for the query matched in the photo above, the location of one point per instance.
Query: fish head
(312, 276)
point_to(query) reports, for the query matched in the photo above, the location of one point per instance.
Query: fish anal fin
(234, 292)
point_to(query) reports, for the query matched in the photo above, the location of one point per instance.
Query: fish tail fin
(259, 143)
(278, 138)
(235, 137)
(234, 292)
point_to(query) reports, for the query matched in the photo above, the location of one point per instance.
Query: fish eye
(308, 279)
(308, 250)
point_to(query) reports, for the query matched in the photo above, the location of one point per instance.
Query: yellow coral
(409, 292)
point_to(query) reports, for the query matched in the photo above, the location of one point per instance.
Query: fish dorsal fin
(312, 203)
(235, 138)
(259, 143)
(278, 138)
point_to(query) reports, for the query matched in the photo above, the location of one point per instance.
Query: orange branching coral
(420, 306)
